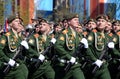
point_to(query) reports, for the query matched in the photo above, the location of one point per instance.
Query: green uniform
(114, 63)
(65, 46)
(97, 43)
(37, 45)
(8, 47)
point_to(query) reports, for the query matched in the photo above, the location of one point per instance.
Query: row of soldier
(69, 50)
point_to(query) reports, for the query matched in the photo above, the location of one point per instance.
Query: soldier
(90, 26)
(108, 27)
(9, 43)
(97, 43)
(114, 66)
(57, 29)
(65, 47)
(39, 60)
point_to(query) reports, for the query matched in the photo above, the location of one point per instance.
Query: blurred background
(50, 9)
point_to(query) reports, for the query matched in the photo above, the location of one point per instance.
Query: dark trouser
(20, 72)
(102, 73)
(44, 71)
(73, 73)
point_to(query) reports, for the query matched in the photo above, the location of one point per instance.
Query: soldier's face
(58, 28)
(108, 26)
(44, 27)
(15, 24)
(116, 27)
(91, 25)
(101, 23)
(74, 22)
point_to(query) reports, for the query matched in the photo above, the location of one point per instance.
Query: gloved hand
(111, 45)
(12, 63)
(41, 57)
(85, 42)
(25, 44)
(72, 60)
(53, 40)
(98, 63)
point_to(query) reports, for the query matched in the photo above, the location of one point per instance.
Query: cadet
(89, 26)
(114, 66)
(38, 43)
(65, 46)
(9, 44)
(97, 43)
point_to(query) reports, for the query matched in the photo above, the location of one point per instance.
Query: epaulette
(36, 35)
(118, 33)
(110, 34)
(7, 34)
(85, 33)
(65, 31)
(94, 30)
(52, 36)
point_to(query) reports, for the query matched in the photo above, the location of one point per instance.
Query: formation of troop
(66, 49)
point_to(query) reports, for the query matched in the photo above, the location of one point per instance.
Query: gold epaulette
(36, 35)
(52, 36)
(94, 30)
(7, 34)
(65, 31)
(110, 34)
(118, 33)
(85, 33)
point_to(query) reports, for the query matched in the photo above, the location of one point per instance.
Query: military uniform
(9, 43)
(97, 42)
(38, 44)
(65, 46)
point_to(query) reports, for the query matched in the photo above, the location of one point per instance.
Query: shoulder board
(52, 36)
(85, 33)
(94, 30)
(36, 35)
(65, 31)
(7, 34)
(110, 34)
(118, 33)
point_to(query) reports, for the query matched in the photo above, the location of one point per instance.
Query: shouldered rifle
(18, 52)
(77, 51)
(101, 57)
(38, 62)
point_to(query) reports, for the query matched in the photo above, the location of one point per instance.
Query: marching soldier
(97, 44)
(38, 60)
(114, 66)
(9, 43)
(65, 48)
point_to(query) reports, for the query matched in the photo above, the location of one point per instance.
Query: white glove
(41, 57)
(53, 40)
(111, 45)
(85, 42)
(73, 60)
(98, 63)
(25, 44)
(11, 62)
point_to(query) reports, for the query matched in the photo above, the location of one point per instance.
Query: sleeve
(32, 53)
(3, 43)
(60, 48)
(90, 50)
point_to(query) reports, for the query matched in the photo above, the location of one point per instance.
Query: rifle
(100, 58)
(18, 52)
(69, 65)
(38, 62)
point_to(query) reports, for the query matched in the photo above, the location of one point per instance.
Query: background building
(86, 9)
